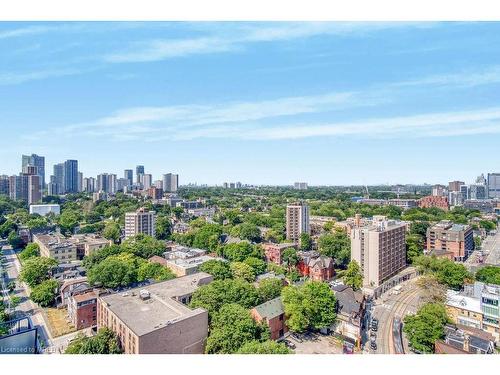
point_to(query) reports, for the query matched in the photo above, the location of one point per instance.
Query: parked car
(373, 345)
(289, 344)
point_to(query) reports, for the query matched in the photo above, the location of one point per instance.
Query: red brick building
(434, 201)
(274, 251)
(82, 310)
(314, 265)
(271, 313)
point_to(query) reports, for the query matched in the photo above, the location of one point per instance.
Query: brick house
(271, 313)
(274, 251)
(314, 265)
(82, 310)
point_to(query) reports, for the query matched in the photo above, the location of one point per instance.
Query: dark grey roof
(346, 300)
(271, 309)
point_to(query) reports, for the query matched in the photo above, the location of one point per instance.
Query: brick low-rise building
(155, 319)
(82, 310)
(434, 201)
(317, 267)
(448, 237)
(272, 314)
(273, 252)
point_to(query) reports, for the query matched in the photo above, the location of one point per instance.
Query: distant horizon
(267, 103)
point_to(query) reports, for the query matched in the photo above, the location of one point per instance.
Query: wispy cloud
(194, 116)
(230, 37)
(276, 119)
(23, 31)
(14, 78)
(465, 78)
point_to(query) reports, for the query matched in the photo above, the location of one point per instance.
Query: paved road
(26, 307)
(390, 306)
(491, 247)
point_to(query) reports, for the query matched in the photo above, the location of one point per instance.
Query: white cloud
(233, 36)
(23, 31)
(466, 78)
(14, 78)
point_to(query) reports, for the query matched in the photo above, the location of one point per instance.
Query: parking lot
(312, 343)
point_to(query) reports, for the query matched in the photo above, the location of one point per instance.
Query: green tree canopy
(310, 306)
(45, 293)
(232, 327)
(30, 251)
(258, 265)
(155, 271)
(238, 252)
(243, 271)
(14, 240)
(426, 326)
(250, 232)
(489, 275)
(143, 246)
(336, 245)
(270, 288)
(305, 242)
(414, 247)
(290, 257)
(105, 342)
(112, 231)
(219, 269)
(264, 347)
(36, 270)
(447, 272)
(115, 271)
(163, 227)
(353, 276)
(220, 292)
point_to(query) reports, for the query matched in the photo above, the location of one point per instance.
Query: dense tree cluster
(104, 342)
(447, 272)
(309, 306)
(426, 326)
(489, 275)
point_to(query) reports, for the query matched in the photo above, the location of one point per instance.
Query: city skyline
(261, 103)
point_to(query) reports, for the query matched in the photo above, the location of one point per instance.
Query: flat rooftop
(192, 262)
(161, 308)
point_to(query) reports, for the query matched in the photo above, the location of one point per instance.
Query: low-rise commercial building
(477, 306)
(446, 236)
(155, 319)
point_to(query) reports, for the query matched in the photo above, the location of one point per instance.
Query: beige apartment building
(86, 244)
(155, 319)
(56, 246)
(380, 249)
(140, 221)
(297, 220)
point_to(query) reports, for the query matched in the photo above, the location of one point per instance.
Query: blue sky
(261, 103)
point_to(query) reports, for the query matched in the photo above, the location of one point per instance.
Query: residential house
(272, 314)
